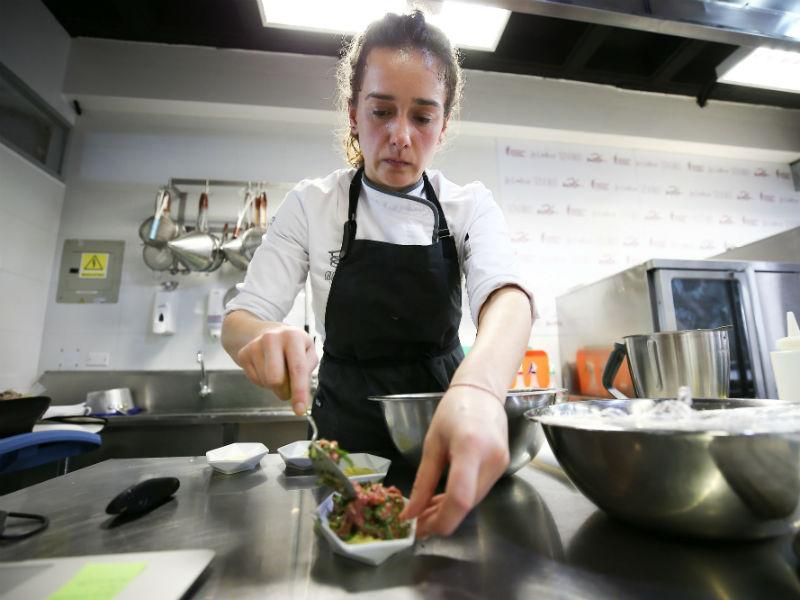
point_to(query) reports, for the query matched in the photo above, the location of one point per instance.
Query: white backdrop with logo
(579, 213)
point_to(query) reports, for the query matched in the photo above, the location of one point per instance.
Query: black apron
(391, 327)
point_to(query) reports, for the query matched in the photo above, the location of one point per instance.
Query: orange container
(534, 371)
(590, 363)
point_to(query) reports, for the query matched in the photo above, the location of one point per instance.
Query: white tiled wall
(30, 210)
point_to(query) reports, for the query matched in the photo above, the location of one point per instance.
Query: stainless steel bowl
(409, 415)
(709, 484)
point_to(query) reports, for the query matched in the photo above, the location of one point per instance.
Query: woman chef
(386, 244)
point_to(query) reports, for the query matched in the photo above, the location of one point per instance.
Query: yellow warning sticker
(94, 265)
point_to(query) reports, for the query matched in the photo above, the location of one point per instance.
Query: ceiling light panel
(468, 25)
(763, 67)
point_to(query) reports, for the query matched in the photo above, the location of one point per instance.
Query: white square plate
(237, 457)
(371, 553)
(375, 463)
(296, 455)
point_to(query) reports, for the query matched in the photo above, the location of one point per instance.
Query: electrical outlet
(97, 359)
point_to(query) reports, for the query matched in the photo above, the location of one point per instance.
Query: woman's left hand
(469, 431)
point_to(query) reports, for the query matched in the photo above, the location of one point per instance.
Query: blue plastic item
(27, 450)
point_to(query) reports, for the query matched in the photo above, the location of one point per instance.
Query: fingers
(281, 360)
(428, 475)
(299, 373)
(459, 497)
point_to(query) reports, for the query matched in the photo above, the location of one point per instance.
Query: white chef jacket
(306, 236)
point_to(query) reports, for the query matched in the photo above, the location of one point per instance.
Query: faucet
(205, 389)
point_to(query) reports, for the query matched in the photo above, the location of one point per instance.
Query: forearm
(239, 328)
(503, 331)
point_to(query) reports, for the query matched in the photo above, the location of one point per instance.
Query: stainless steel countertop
(228, 415)
(534, 536)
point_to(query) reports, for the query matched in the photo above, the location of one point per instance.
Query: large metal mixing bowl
(409, 415)
(709, 484)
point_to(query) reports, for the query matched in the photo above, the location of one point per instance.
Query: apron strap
(349, 233)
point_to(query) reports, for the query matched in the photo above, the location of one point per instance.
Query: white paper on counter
(87, 427)
(67, 410)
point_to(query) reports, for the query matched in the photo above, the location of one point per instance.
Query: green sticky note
(98, 581)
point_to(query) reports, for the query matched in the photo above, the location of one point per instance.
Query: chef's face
(399, 115)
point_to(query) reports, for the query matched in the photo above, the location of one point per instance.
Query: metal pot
(110, 402)
(663, 362)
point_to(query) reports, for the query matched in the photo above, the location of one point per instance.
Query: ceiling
(532, 44)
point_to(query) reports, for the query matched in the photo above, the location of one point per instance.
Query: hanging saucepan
(197, 250)
(233, 247)
(160, 228)
(251, 239)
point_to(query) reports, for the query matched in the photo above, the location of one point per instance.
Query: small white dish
(295, 455)
(371, 553)
(237, 457)
(378, 464)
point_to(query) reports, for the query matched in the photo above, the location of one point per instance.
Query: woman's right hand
(281, 359)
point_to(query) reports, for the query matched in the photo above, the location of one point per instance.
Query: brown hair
(402, 32)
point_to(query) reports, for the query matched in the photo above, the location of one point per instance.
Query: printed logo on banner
(603, 186)
(648, 164)
(549, 238)
(571, 182)
(766, 197)
(785, 175)
(520, 237)
(575, 212)
(790, 200)
(630, 242)
(651, 190)
(706, 245)
(678, 218)
(594, 157)
(695, 167)
(743, 195)
(759, 172)
(652, 215)
(751, 221)
(672, 190)
(545, 209)
(571, 156)
(657, 242)
(515, 152)
(725, 220)
(622, 161)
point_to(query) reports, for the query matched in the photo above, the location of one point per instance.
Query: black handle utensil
(143, 496)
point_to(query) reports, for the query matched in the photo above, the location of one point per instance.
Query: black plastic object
(143, 496)
(20, 414)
